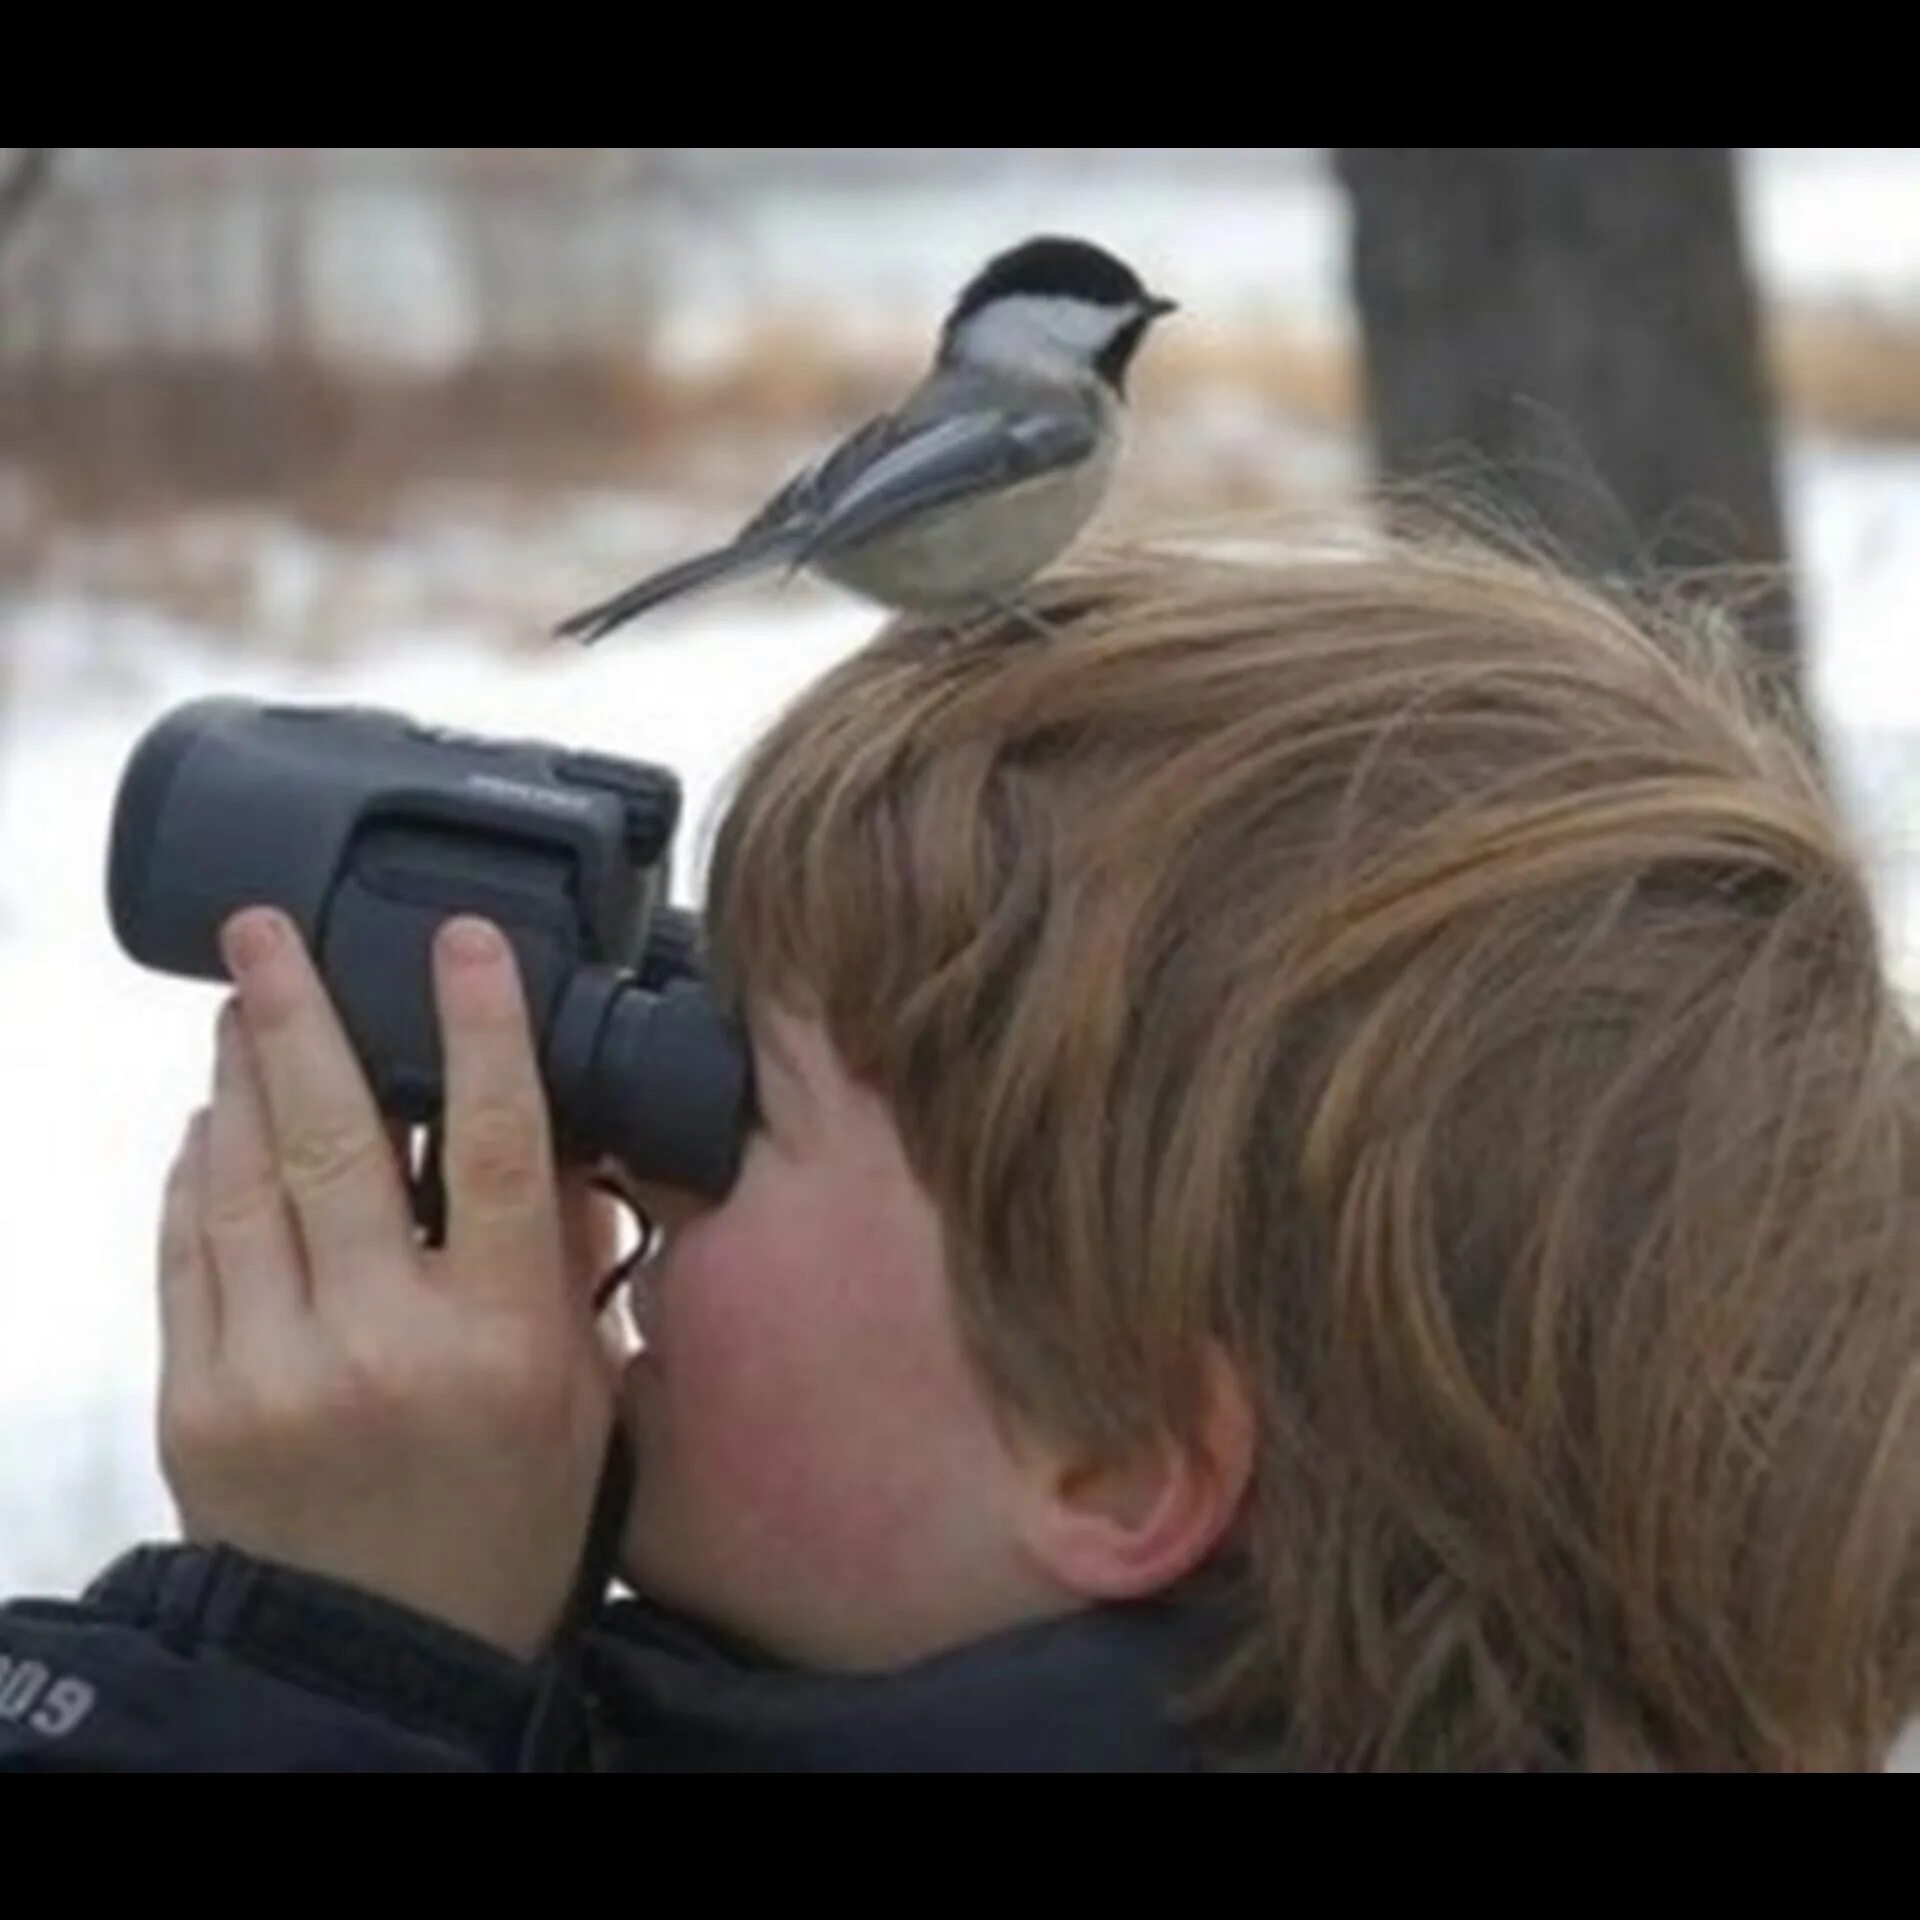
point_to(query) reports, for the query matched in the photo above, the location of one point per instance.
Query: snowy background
(440, 609)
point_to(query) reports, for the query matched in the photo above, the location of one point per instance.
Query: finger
(503, 1224)
(189, 1294)
(260, 1266)
(335, 1162)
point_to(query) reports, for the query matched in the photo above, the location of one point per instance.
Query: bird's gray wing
(796, 507)
(952, 459)
(788, 528)
(903, 465)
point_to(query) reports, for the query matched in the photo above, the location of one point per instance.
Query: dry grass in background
(158, 487)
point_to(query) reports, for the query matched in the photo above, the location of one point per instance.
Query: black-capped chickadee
(955, 499)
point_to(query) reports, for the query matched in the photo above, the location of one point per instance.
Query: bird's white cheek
(1035, 330)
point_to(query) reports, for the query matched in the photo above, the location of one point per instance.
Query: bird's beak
(1158, 306)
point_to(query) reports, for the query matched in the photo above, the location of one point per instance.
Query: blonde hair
(1452, 992)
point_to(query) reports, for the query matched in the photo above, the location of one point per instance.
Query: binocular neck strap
(556, 1737)
(555, 1734)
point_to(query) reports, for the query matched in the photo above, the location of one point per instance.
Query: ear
(1108, 1529)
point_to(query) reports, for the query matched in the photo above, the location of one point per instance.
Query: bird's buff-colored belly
(974, 551)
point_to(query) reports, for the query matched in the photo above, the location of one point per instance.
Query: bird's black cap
(1053, 266)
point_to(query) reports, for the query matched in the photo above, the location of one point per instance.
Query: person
(1334, 1187)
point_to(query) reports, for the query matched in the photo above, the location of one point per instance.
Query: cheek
(808, 1396)
(735, 1407)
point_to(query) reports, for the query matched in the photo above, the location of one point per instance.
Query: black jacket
(188, 1658)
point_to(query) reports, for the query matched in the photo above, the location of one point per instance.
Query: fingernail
(471, 942)
(251, 938)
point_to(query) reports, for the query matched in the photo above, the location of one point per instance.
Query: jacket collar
(1093, 1690)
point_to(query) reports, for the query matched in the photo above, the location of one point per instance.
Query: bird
(950, 502)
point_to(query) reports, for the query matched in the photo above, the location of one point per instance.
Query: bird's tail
(594, 623)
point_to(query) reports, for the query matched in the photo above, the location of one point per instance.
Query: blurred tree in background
(22, 178)
(1575, 331)
(291, 322)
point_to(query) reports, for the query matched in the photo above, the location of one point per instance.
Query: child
(1335, 1188)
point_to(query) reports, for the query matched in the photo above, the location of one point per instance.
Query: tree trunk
(21, 184)
(1577, 327)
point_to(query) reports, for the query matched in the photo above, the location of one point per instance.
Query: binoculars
(369, 830)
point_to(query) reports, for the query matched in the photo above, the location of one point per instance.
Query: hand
(426, 1425)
